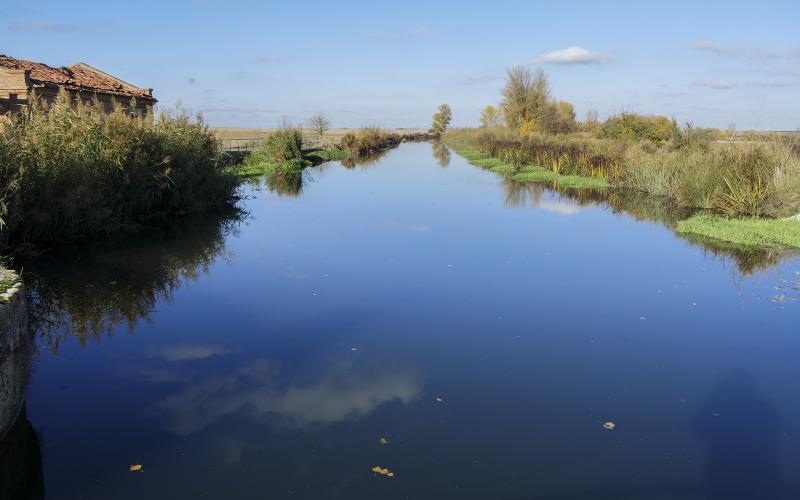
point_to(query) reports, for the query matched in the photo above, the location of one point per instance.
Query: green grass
(752, 232)
(530, 173)
(325, 155)
(7, 280)
(257, 166)
(5, 284)
(569, 181)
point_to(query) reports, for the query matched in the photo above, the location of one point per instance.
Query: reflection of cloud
(572, 55)
(186, 352)
(255, 391)
(559, 207)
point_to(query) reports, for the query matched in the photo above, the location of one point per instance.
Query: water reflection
(441, 153)
(259, 390)
(642, 207)
(91, 290)
(21, 475)
(743, 433)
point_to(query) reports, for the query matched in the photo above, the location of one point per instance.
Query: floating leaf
(383, 440)
(136, 468)
(382, 471)
(609, 426)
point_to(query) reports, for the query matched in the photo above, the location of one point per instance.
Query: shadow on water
(93, 289)
(645, 207)
(21, 472)
(742, 430)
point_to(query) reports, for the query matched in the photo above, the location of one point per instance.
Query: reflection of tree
(90, 290)
(643, 206)
(518, 194)
(286, 183)
(369, 160)
(441, 153)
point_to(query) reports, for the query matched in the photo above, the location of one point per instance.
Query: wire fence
(245, 145)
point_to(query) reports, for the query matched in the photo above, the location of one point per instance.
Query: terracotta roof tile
(78, 76)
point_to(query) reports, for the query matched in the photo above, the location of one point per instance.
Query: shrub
(367, 141)
(635, 127)
(279, 147)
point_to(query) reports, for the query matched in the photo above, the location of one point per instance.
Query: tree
(441, 120)
(524, 96)
(557, 118)
(320, 124)
(490, 116)
(592, 120)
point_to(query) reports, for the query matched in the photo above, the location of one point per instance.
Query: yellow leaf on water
(136, 468)
(383, 440)
(609, 426)
(382, 471)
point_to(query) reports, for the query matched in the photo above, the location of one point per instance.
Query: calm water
(487, 331)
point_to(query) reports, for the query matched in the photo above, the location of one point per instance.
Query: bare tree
(319, 124)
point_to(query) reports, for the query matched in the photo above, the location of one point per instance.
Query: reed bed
(732, 179)
(368, 141)
(71, 171)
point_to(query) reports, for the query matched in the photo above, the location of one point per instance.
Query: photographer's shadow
(743, 432)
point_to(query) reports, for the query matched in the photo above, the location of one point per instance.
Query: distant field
(332, 135)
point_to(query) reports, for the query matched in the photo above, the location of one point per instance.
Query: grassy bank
(281, 155)
(530, 173)
(735, 182)
(753, 232)
(73, 173)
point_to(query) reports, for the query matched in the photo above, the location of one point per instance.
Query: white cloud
(270, 57)
(572, 55)
(775, 84)
(715, 84)
(400, 35)
(58, 27)
(746, 52)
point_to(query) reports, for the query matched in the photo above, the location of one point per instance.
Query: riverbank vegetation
(368, 141)
(73, 172)
(533, 137)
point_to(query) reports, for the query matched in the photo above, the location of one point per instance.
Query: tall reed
(70, 171)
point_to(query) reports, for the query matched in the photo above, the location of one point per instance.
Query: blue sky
(391, 63)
